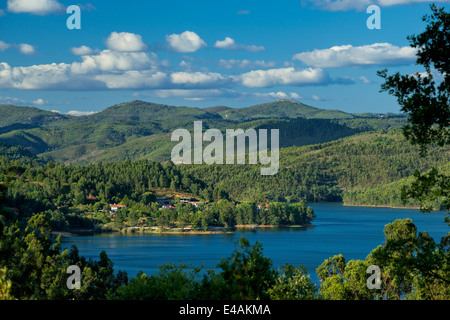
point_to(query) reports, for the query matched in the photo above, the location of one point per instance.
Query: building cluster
(166, 203)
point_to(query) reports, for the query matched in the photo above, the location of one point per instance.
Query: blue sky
(204, 53)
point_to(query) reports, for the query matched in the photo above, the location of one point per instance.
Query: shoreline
(263, 226)
(72, 233)
(142, 230)
(379, 206)
(215, 230)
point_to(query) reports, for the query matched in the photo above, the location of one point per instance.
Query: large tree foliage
(33, 264)
(424, 96)
(413, 265)
(247, 273)
(244, 275)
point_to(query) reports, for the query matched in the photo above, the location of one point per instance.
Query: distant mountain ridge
(147, 111)
(14, 115)
(284, 108)
(141, 130)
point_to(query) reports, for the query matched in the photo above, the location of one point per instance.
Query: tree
(226, 213)
(247, 274)
(293, 283)
(163, 219)
(425, 98)
(5, 286)
(148, 198)
(344, 281)
(184, 215)
(133, 218)
(412, 264)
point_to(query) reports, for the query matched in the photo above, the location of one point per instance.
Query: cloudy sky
(204, 53)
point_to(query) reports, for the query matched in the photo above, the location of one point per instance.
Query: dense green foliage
(141, 130)
(425, 98)
(412, 267)
(366, 168)
(79, 197)
(17, 153)
(284, 109)
(33, 266)
(37, 198)
(12, 117)
(360, 169)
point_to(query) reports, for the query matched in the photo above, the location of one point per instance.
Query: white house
(115, 207)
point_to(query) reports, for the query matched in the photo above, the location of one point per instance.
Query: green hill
(145, 111)
(17, 153)
(217, 109)
(345, 169)
(326, 155)
(25, 139)
(12, 116)
(141, 130)
(285, 109)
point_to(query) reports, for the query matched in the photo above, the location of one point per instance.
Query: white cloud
(282, 76)
(115, 68)
(185, 65)
(40, 102)
(420, 74)
(12, 100)
(295, 96)
(339, 5)
(80, 51)
(125, 42)
(4, 46)
(80, 113)
(345, 5)
(108, 60)
(107, 69)
(87, 7)
(23, 48)
(16, 101)
(134, 79)
(243, 12)
(364, 80)
(140, 71)
(277, 95)
(253, 48)
(230, 44)
(34, 77)
(187, 41)
(26, 48)
(205, 94)
(199, 79)
(137, 70)
(349, 56)
(38, 7)
(2, 13)
(194, 94)
(245, 64)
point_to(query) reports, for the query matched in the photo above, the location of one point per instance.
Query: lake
(352, 231)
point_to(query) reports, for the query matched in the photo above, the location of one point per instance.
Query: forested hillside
(326, 155)
(284, 109)
(141, 130)
(347, 169)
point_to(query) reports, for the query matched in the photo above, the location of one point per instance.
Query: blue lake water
(352, 231)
